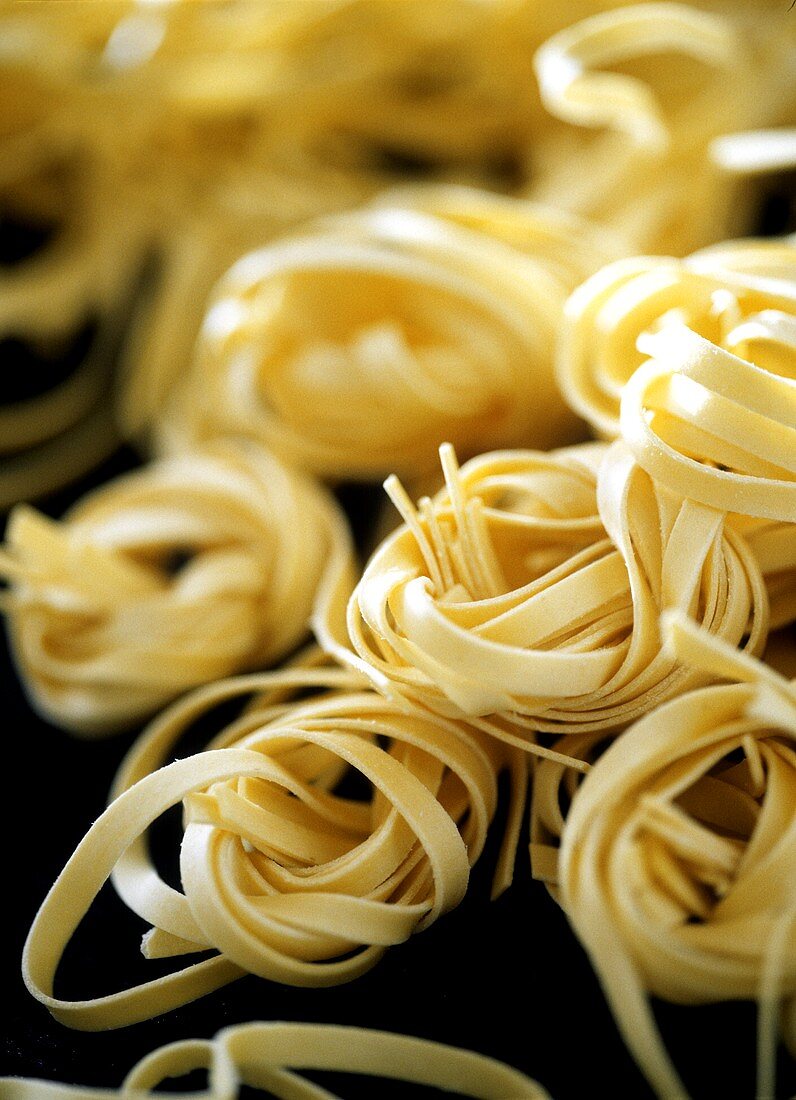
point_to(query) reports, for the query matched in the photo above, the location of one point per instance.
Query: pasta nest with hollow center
(271, 1057)
(283, 873)
(677, 855)
(355, 348)
(530, 588)
(178, 573)
(692, 361)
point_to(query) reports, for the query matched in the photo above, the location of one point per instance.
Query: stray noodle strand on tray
(267, 1055)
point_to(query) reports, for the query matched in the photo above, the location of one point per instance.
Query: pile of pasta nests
(605, 621)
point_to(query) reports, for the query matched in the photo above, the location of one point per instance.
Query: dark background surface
(507, 978)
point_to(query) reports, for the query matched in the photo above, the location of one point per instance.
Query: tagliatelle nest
(677, 856)
(285, 877)
(529, 589)
(172, 576)
(698, 356)
(354, 349)
(266, 1055)
(655, 84)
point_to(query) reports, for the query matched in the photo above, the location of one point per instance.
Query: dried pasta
(698, 353)
(677, 855)
(661, 81)
(529, 589)
(179, 573)
(282, 876)
(264, 1056)
(355, 348)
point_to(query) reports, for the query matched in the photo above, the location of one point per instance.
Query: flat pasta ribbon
(179, 573)
(282, 875)
(357, 346)
(659, 82)
(529, 589)
(264, 1056)
(677, 854)
(712, 413)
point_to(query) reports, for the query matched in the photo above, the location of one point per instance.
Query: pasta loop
(677, 854)
(284, 876)
(265, 1055)
(530, 589)
(356, 348)
(174, 575)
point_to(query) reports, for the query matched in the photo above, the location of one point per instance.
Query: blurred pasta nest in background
(148, 146)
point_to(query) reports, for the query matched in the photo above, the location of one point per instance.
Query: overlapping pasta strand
(284, 876)
(677, 855)
(171, 576)
(264, 1056)
(356, 347)
(699, 354)
(657, 76)
(529, 589)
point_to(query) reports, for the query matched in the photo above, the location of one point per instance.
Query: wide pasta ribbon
(677, 854)
(285, 877)
(172, 576)
(355, 347)
(698, 354)
(529, 589)
(660, 81)
(264, 1056)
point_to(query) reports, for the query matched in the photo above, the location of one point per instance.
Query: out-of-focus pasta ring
(356, 348)
(265, 1056)
(181, 572)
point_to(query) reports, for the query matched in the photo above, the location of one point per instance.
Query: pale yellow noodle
(283, 876)
(527, 593)
(357, 346)
(179, 573)
(677, 854)
(265, 1056)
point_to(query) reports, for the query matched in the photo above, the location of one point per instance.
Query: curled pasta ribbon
(174, 575)
(713, 413)
(713, 292)
(355, 348)
(573, 88)
(282, 875)
(264, 1056)
(529, 589)
(716, 426)
(678, 851)
(671, 78)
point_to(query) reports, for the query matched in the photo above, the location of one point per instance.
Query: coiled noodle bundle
(174, 575)
(677, 855)
(286, 878)
(356, 348)
(530, 588)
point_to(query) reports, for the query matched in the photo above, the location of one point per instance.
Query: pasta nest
(692, 362)
(652, 88)
(677, 854)
(356, 347)
(265, 1055)
(529, 589)
(282, 874)
(176, 574)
